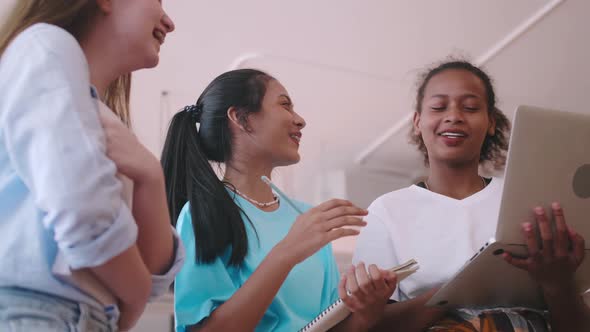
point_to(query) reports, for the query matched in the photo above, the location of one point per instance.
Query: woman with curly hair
(458, 127)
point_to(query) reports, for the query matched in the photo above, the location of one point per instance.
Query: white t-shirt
(440, 232)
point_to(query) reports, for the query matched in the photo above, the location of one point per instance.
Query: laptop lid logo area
(581, 182)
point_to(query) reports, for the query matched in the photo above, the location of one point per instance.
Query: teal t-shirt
(310, 287)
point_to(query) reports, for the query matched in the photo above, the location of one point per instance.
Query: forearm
(350, 324)
(408, 316)
(129, 315)
(246, 307)
(127, 278)
(567, 310)
(154, 239)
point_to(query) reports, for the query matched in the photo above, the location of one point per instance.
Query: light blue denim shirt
(58, 189)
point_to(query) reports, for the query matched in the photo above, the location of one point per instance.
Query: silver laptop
(548, 160)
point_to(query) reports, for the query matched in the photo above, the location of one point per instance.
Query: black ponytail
(216, 220)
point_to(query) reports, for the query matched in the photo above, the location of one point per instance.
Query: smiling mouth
(452, 135)
(296, 138)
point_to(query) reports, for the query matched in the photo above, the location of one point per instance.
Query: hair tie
(195, 111)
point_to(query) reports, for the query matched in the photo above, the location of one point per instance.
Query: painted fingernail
(527, 226)
(539, 210)
(556, 205)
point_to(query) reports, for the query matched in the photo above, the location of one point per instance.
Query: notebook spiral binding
(320, 316)
(338, 311)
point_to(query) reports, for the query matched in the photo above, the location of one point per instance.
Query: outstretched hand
(321, 225)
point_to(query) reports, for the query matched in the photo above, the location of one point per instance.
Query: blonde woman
(60, 197)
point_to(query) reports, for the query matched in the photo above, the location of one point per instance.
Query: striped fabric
(493, 320)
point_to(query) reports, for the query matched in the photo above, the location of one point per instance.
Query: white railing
(496, 49)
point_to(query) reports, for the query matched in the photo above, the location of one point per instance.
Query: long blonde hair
(75, 16)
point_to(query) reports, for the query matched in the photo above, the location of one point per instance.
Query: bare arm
(312, 231)
(349, 324)
(245, 308)
(410, 315)
(150, 210)
(567, 310)
(129, 280)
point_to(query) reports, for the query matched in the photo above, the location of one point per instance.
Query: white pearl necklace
(255, 202)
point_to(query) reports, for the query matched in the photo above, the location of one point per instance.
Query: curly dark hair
(494, 147)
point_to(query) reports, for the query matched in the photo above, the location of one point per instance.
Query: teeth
(452, 135)
(297, 138)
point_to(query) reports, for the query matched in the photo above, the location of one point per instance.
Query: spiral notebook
(338, 311)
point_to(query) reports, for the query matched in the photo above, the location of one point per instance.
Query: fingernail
(539, 210)
(556, 205)
(527, 226)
